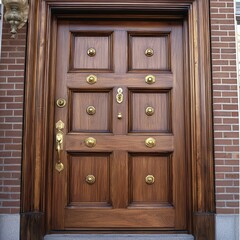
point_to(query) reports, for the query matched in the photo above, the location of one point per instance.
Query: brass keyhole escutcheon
(90, 142)
(149, 52)
(90, 179)
(150, 111)
(150, 79)
(61, 102)
(119, 96)
(91, 79)
(150, 142)
(150, 179)
(91, 110)
(91, 52)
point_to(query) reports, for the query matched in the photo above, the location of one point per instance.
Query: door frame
(39, 107)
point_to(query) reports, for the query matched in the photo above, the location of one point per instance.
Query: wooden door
(123, 147)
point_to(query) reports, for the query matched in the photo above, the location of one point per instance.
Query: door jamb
(39, 106)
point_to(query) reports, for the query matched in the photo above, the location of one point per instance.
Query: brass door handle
(150, 179)
(90, 142)
(59, 145)
(90, 179)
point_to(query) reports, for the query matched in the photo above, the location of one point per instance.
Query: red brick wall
(225, 105)
(11, 111)
(225, 111)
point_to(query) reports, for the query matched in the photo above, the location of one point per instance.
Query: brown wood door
(123, 146)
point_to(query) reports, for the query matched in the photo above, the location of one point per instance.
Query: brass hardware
(150, 142)
(90, 142)
(91, 52)
(59, 166)
(119, 116)
(149, 111)
(61, 102)
(59, 144)
(91, 79)
(150, 179)
(91, 110)
(150, 79)
(90, 179)
(149, 52)
(119, 96)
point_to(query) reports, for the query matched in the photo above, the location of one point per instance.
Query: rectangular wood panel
(158, 120)
(116, 218)
(82, 42)
(157, 165)
(157, 42)
(83, 120)
(81, 192)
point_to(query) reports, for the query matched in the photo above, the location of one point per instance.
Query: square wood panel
(101, 42)
(83, 121)
(82, 165)
(159, 101)
(160, 167)
(159, 43)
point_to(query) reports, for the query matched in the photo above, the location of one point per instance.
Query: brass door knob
(90, 142)
(150, 79)
(91, 110)
(91, 79)
(149, 52)
(150, 142)
(150, 179)
(149, 111)
(91, 52)
(90, 179)
(61, 102)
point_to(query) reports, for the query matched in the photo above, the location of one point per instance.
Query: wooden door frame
(39, 108)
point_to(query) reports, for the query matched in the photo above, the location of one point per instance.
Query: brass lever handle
(59, 145)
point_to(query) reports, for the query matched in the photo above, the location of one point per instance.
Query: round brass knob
(149, 111)
(91, 79)
(149, 52)
(150, 179)
(90, 179)
(150, 79)
(150, 142)
(119, 116)
(61, 102)
(90, 142)
(91, 52)
(91, 110)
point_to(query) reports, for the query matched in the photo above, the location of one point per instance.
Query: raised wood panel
(160, 101)
(148, 218)
(81, 121)
(75, 142)
(82, 193)
(156, 165)
(81, 42)
(140, 42)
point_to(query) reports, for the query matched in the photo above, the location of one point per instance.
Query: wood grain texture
(117, 218)
(161, 55)
(39, 102)
(81, 42)
(160, 167)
